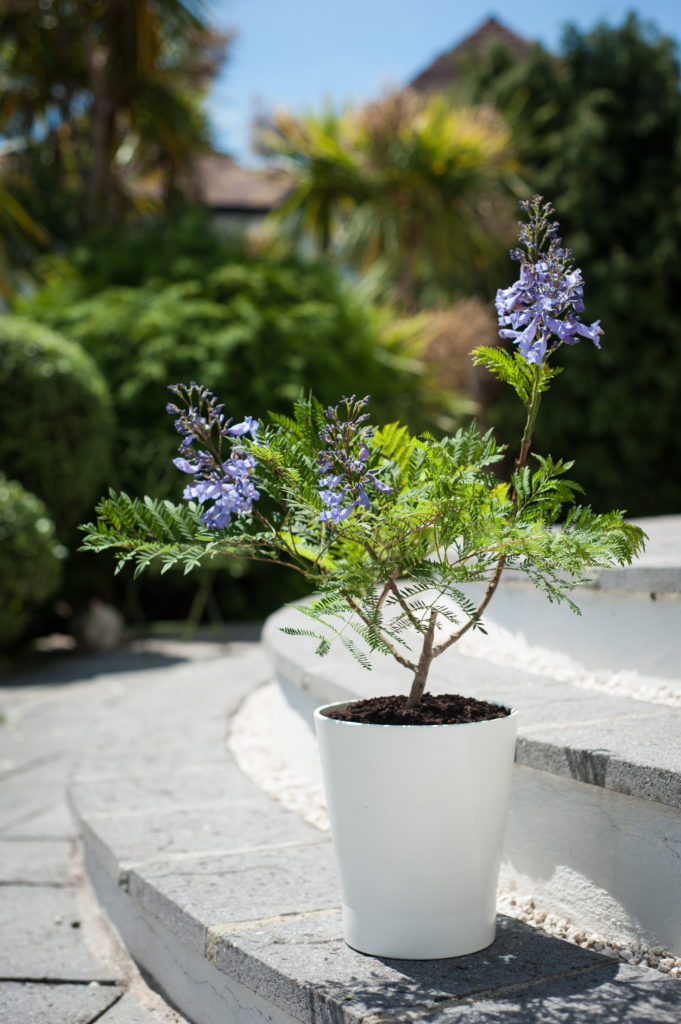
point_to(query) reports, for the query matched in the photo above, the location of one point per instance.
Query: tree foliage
(389, 528)
(160, 302)
(598, 128)
(256, 328)
(415, 183)
(21, 237)
(396, 569)
(100, 102)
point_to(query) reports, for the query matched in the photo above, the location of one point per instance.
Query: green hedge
(163, 303)
(30, 558)
(55, 419)
(598, 131)
(256, 329)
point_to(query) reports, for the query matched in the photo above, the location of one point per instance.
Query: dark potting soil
(445, 709)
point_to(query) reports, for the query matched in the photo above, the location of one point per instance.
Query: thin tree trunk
(103, 129)
(429, 653)
(419, 682)
(105, 104)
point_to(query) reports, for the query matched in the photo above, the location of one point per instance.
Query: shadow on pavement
(158, 650)
(609, 993)
(69, 667)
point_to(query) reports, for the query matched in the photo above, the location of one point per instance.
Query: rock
(99, 627)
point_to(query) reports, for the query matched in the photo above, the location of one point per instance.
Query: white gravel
(255, 744)
(502, 647)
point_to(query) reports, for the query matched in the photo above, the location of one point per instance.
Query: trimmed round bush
(55, 419)
(30, 558)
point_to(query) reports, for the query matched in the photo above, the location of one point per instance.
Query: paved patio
(225, 898)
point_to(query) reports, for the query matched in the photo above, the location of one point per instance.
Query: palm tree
(423, 185)
(20, 236)
(138, 56)
(105, 89)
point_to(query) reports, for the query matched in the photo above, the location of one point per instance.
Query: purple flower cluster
(541, 310)
(223, 480)
(343, 465)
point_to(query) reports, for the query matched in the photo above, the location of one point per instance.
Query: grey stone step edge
(658, 569)
(229, 903)
(617, 743)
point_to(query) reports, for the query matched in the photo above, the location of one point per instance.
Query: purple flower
(540, 311)
(221, 482)
(379, 484)
(343, 465)
(247, 426)
(185, 466)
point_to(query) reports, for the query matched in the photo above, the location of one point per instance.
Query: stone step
(230, 902)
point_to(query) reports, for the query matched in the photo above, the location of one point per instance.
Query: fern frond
(356, 652)
(514, 370)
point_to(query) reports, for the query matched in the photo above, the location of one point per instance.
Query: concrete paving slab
(261, 927)
(32, 1003)
(36, 863)
(544, 701)
(625, 745)
(46, 721)
(292, 961)
(216, 828)
(135, 792)
(193, 895)
(21, 752)
(40, 937)
(30, 792)
(129, 719)
(149, 726)
(129, 1010)
(69, 669)
(49, 819)
(186, 978)
(109, 719)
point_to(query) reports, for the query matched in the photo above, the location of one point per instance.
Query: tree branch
(491, 587)
(357, 609)
(392, 585)
(386, 588)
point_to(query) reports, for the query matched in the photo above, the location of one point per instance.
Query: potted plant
(390, 529)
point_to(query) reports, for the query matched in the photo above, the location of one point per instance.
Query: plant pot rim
(319, 714)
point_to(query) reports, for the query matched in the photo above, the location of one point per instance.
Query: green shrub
(55, 419)
(30, 558)
(257, 330)
(172, 303)
(160, 249)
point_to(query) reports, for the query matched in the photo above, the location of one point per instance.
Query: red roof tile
(442, 73)
(222, 184)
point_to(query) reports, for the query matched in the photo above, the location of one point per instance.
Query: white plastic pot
(418, 814)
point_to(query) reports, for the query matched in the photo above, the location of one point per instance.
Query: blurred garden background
(358, 251)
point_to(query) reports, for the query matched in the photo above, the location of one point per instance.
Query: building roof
(443, 72)
(224, 186)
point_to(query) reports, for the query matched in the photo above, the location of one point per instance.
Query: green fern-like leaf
(356, 652)
(512, 369)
